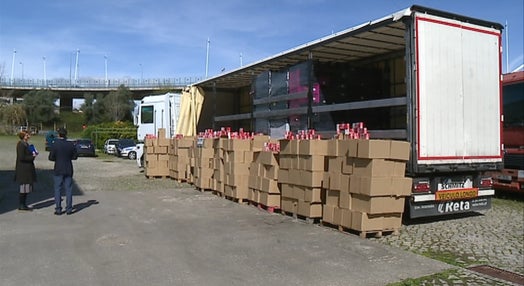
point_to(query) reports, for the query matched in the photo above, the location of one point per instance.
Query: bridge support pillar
(66, 102)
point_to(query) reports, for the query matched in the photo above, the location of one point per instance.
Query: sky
(150, 39)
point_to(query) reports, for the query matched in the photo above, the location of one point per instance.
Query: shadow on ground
(42, 195)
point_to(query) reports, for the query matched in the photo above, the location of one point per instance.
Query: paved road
(129, 230)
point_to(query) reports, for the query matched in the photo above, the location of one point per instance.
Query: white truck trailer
(154, 112)
(429, 77)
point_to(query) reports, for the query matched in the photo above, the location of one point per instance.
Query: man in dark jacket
(62, 153)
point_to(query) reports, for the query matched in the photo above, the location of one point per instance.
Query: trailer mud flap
(425, 209)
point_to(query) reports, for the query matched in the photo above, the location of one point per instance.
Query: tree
(11, 115)
(119, 104)
(40, 106)
(116, 106)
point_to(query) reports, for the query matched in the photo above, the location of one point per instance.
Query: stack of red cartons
(301, 173)
(366, 186)
(180, 165)
(263, 177)
(237, 158)
(156, 155)
(204, 168)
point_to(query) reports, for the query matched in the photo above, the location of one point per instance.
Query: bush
(99, 133)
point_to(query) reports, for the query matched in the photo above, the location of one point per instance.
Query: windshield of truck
(146, 114)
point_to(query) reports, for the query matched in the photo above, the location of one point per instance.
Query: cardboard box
(332, 150)
(337, 216)
(328, 214)
(373, 149)
(309, 210)
(348, 148)
(312, 195)
(362, 221)
(287, 191)
(345, 183)
(392, 221)
(345, 200)
(258, 142)
(270, 172)
(239, 145)
(269, 186)
(373, 167)
(311, 162)
(266, 158)
(283, 176)
(289, 205)
(286, 161)
(334, 164)
(335, 182)
(313, 147)
(332, 198)
(307, 178)
(347, 165)
(399, 150)
(270, 200)
(371, 186)
(377, 205)
(402, 186)
(345, 219)
(254, 182)
(399, 169)
(288, 147)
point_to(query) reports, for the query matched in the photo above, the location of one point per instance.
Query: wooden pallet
(237, 200)
(203, 189)
(310, 220)
(217, 193)
(157, 177)
(269, 209)
(362, 234)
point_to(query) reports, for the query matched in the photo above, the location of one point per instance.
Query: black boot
(22, 205)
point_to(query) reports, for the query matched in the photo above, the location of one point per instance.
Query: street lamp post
(76, 66)
(45, 75)
(22, 65)
(13, 67)
(105, 63)
(141, 74)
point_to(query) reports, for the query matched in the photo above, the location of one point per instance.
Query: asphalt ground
(130, 230)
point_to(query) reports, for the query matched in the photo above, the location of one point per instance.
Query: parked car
(85, 147)
(110, 146)
(122, 144)
(129, 152)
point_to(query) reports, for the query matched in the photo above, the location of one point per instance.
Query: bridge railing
(99, 83)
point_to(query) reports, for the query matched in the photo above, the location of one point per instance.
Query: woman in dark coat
(25, 172)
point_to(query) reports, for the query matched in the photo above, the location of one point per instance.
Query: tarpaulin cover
(190, 108)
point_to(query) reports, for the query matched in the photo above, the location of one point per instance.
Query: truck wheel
(132, 155)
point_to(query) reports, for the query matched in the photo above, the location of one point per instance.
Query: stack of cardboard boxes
(218, 178)
(301, 173)
(365, 185)
(180, 158)
(237, 158)
(264, 188)
(204, 168)
(156, 157)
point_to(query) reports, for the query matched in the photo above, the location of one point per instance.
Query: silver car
(110, 146)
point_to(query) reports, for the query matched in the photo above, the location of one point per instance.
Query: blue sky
(168, 39)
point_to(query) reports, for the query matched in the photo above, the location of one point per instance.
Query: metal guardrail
(99, 83)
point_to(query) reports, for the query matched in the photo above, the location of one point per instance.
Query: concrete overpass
(68, 90)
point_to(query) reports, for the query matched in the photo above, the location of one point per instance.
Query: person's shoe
(58, 212)
(24, 208)
(69, 212)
